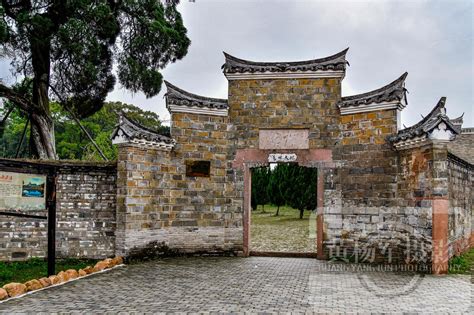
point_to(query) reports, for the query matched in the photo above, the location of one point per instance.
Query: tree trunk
(278, 211)
(42, 141)
(301, 213)
(263, 208)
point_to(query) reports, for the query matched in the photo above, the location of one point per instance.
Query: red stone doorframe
(250, 158)
(320, 216)
(247, 208)
(440, 254)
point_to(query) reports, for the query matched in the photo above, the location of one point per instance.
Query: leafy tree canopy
(68, 48)
(71, 143)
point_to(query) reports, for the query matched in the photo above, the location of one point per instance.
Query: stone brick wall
(85, 211)
(205, 138)
(86, 205)
(368, 164)
(362, 213)
(157, 203)
(22, 238)
(284, 103)
(463, 145)
(461, 205)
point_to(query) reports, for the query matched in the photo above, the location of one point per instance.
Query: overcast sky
(432, 40)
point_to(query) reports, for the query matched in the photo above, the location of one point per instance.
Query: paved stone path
(256, 284)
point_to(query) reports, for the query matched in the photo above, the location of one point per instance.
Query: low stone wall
(85, 212)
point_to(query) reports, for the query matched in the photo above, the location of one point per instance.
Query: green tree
(277, 186)
(260, 180)
(71, 143)
(301, 192)
(68, 49)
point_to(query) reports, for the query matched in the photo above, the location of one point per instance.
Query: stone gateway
(384, 193)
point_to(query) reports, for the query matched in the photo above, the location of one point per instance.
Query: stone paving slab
(255, 284)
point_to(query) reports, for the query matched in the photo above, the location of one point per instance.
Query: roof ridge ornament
(435, 126)
(331, 66)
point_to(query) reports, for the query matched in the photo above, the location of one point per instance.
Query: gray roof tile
(394, 91)
(236, 65)
(135, 131)
(177, 96)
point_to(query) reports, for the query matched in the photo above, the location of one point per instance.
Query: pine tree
(260, 180)
(277, 186)
(301, 192)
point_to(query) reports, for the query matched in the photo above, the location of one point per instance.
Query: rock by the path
(3, 294)
(54, 279)
(33, 285)
(72, 274)
(15, 289)
(45, 282)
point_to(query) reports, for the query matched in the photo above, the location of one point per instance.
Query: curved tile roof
(134, 131)
(458, 120)
(177, 96)
(429, 122)
(394, 91)
(236, 65)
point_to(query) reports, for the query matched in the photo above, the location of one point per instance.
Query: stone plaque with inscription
(20, 191)
(282, 158)
(283, 139)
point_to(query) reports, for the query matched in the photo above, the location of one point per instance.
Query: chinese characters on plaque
(282, 158)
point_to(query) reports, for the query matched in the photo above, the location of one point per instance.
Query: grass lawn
(35, 268)
(284, 233)
(463, 264)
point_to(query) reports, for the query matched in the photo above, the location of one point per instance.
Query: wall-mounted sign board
(198, 168)
(21, 191)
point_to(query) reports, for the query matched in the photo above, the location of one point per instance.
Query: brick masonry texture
(85, 211)
(156, 202)
(461, 210)
(86, 203)
(463, 146)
